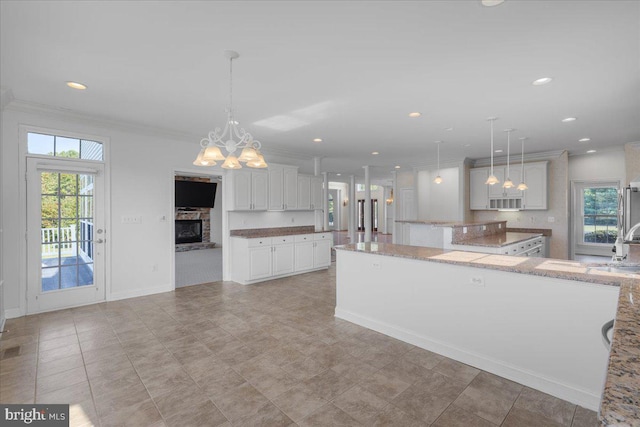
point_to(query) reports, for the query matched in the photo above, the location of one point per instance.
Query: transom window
(62, 146)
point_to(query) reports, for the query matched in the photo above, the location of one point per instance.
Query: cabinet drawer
(281, 240)
(266, 241)
(304, 238)
(323, 236)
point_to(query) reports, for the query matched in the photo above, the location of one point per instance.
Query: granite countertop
(621, 395)
(499, 240)
(544, 231)
(450, 223)
(271, 232)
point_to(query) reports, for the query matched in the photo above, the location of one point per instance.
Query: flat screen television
(194, 194)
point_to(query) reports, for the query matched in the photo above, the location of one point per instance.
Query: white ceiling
(348, 72)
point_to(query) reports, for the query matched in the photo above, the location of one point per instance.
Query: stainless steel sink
(618, 268)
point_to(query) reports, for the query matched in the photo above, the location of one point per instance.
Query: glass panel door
(595, 217)
(66, 238)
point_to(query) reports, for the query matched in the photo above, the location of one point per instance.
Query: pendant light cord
(492, 146)
(522, 163)
(230, 88)
(508, 145)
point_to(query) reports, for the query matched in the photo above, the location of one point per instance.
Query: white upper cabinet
(478, 190)
(249, 190)
(283, 187)
(492, 197)
(535, 176)
(304, 192)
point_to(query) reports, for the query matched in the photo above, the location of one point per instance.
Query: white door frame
(336, 208)
(23, 130)
(576, 213)
(92, 293)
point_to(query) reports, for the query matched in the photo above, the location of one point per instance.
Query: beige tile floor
(272, 354)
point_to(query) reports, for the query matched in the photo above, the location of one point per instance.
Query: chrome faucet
(629, 236)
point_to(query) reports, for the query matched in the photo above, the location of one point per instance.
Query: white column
(394, 206)
(316, 166)
(353, 203)
(367, 205)
(325, 201)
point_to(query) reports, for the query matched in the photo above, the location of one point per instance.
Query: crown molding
(6, 97)
(96, 120)
(545, 155)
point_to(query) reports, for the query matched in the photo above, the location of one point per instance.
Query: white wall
(142, 166)
(600, 166)
(251, 220)
(439, 202)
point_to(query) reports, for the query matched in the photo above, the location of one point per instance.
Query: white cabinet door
(316, 193)
(304, 255)
(322, 253)
(535, 176)
(304, 192)
(290, 186)
(478, 191)
(259, 190)
(283, 258)
(276, 189)
(259, 262)
(514, 174)
(496, 191)
(241, 190)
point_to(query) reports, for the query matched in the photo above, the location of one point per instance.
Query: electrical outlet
(293, 220)
(162, 218)
(551, 219)
(484, 227)
(154, 267)
(532, 219)
(477, 280)
(499, 225)
(464, 230)
(376, 264)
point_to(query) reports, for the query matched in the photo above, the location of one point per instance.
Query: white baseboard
(140, 292)
(531, 379)
(12, 313)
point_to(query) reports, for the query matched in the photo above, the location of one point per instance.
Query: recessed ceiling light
(76, 85)
(338, 174)
(415, 114)
(498, 151)
(375, 153)
(449, 129)
(584, 140)
(569, 119)
(491, 3)
(591, 151)
(541, 81)
(317, 140)
(467, 145)
(397, 166)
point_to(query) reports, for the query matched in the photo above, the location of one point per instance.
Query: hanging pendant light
(522, 186)
(492, 180)
(438, 179)
(507, 182)
(231, 138)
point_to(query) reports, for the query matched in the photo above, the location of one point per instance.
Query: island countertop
(621, 395)
(499, 240)
(449, 223)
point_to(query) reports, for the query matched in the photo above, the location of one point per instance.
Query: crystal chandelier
(492, 180)
(231, 138)
(507, 182)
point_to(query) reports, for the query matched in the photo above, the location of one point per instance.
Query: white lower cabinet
(279, 256)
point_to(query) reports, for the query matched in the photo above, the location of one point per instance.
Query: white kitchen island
(516, 317)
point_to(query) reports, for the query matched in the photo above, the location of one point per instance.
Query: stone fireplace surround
(203, 214)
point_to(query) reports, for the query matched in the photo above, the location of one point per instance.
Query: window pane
(68, 207)
(85, 274)
(69, 276)
(49, 183)
(49, 206)
(68, 183)
(90, 150)
(67, 147)
(50, 279)
(38, 143)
